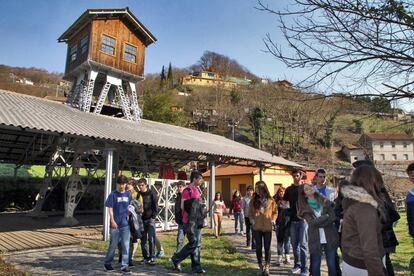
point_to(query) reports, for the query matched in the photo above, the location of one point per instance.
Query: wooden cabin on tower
(105, 60)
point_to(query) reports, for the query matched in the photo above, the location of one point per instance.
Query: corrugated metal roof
(30, 112)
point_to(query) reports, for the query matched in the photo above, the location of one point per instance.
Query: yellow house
(231, 178)
(205, 78)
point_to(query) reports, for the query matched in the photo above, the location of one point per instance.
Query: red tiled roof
(389, 136)
(232, 170)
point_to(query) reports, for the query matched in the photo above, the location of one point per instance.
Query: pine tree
(170, 77)
(162, 77)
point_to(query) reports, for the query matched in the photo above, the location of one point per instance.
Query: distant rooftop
(388, 136)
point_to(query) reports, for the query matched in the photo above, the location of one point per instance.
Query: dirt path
(239, 242)
(77, 260)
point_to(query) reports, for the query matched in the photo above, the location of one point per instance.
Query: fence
(166, 191)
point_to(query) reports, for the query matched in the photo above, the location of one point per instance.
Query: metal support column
(212, 189)
(108, 189)
(166, 205)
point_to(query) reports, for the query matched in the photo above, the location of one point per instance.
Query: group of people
(311, 219)
(316, 219)
(133, 208)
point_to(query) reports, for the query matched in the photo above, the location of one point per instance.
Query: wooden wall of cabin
(81, 57)
(117, 29)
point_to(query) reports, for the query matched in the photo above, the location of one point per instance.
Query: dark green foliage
(162, 77)
(358, 126)
(170, 79)
(157, 107)
(8, 170)
(235, 97)
(375, 104)
(257, 117)
(329, 131)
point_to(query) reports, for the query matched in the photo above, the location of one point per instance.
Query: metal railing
(166, 191)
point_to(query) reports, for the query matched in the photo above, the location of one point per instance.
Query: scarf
(313, 203)
(263, 204)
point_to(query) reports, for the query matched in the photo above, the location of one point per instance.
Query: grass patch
(7, 269)
(405, 250)
(218, 256)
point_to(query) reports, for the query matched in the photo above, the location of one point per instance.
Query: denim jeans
(191, 248)
(131, 251)
(283, 247)
(263, 239)
(330, 262)
(238, 219)
(148, 236)
(180, 237)
(119, 235)
(299, 241)
(249, 233)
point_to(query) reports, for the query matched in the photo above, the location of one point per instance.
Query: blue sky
(184, 29)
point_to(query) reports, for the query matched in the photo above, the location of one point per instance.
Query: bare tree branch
(367, 43)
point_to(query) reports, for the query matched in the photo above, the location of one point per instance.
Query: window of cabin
(130, 53)
(394, 157)
(393, 144)
(84, 44)
(405, 156)
(382, 156)
(108, 45)
(73, 53)
(405, 145)
(381, 145)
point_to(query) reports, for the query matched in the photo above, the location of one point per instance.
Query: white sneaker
(295, 270)
(287, 259)
(278, 259)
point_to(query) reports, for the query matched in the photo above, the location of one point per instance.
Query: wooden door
(242, 189)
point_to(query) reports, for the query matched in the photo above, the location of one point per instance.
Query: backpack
(196, 210)
(178, 212)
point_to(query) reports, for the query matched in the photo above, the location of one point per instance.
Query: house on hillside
(205, 78)
(354, 153)
(25, 81)
(230, 178)
(386, 147)
(239, 81)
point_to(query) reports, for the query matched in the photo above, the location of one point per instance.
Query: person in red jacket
(236, 209)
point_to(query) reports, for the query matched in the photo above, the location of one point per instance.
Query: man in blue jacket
(117, 204)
